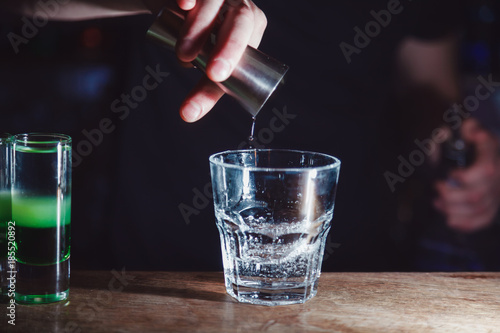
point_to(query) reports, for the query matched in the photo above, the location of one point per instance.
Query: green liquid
(40, 212)
(42, 234)
(5, 206)
(42, 246)
(42, 149)
(5, 215)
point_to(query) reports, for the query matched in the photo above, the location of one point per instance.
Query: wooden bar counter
(122, 301)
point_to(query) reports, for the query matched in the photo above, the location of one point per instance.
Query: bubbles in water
(256, 215)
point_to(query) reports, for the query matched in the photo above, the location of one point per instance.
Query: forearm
(73, 10)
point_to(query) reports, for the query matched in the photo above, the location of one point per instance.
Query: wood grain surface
(120, 301)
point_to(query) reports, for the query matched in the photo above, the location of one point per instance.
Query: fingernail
(188, 4)
(191, 112)
(220, 70)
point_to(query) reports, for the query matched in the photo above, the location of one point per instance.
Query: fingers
(201, 100)
(469, 224)
(232, 40)
(473, 204)
(239, 23)
(186, 4)
(245, 20)
(243, 24)
(197, 26)
(479, 173)
(468, 200)
(468, 217)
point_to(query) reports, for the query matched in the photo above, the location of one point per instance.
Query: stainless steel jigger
(254, 78)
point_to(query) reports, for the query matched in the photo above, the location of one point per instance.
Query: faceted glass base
(272, 296)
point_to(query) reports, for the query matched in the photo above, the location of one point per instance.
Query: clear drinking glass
(41, 210)
(5, 213)
(273, 211)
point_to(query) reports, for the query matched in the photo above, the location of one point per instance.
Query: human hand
(240, 23)
(471, 199)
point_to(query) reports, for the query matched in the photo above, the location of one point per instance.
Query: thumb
(469, 129)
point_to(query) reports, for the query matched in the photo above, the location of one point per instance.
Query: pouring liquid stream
(251, 138)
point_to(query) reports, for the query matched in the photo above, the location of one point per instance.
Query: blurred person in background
(459, 228)
(366, 79)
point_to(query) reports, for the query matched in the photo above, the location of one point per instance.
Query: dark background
(131, 183)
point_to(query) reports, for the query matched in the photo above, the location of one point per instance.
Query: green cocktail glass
(41, 211)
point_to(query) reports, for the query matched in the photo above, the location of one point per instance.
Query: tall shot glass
(273, 211)
(5, 211)
(41, 210)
